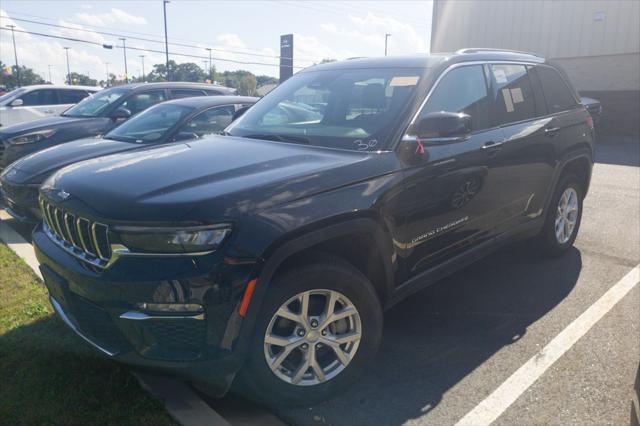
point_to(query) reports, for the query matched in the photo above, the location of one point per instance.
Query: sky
(241, 31)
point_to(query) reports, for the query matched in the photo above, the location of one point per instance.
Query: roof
(178, 85)
(429, 60)
(60, 86)
(207, 101)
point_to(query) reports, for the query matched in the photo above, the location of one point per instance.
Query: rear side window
(39, 97)
(464, 90)
(71, 96)
(211, 121)
(185, 93)
(556, 92)
(512, 94)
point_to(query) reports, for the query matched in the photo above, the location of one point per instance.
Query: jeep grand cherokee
(267, 257)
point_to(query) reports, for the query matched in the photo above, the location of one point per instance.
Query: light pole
(166, 40)
(386, 38)
(68, 69)
(107, 64)
(15, 54)
(143, 75)
(50, 79)
(210, 66)
(124, 51)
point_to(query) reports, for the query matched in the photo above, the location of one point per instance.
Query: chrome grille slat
(84, 238)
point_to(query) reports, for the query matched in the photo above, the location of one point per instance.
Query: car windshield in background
(12, 94)
(93, 105)
(151, 125)
(346, 109)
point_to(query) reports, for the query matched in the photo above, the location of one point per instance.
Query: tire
(551, 243)
(321, 278)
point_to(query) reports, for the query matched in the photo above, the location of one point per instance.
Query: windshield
(93, 105)
(347, 109)
(12, 94)
(150, 125)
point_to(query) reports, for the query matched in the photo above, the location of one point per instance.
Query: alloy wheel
(312, 337)
(566, 215)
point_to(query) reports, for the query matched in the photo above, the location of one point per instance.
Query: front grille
(85, 239)
(96, 323)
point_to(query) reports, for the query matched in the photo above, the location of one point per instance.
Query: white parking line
(506, 394)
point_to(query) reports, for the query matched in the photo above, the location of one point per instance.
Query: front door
(451, 200)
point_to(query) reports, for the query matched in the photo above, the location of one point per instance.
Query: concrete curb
(17, 244)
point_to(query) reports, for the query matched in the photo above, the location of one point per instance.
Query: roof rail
(489, 49)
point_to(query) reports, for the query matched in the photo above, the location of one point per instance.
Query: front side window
(141, 101)
(151, 125)
(557, 95)
(353, 109)
(94, 105)
(39, 97)
(512, 94)
(209, 122)
(463, 90)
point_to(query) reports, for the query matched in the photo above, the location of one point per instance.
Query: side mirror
(16, 102)
(121, 113)
(443, 127)
(239, 113)
(184, 136)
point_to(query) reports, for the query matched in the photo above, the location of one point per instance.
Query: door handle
(492, 145)
(48, 111)
(551, 131)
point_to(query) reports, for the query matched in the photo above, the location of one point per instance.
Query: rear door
(67, 98)
(451, 201)
(525, 165)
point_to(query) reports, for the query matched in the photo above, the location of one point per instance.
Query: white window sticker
(516, 95)
(508, 103)
(410, 80)
(500, 76)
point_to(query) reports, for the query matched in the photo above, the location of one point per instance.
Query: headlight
(31, 137)
(172, 240)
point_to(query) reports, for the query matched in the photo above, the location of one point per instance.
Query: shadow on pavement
(437, 337)
(622, 151)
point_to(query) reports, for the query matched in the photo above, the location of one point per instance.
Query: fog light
(192, 308)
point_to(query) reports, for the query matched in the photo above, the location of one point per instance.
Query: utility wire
(201, 46)
(141, 49)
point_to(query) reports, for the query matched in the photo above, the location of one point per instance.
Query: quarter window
(512, 94)
(185, 93)
(464, 90)
(557, 94)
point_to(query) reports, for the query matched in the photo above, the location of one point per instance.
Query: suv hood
(43, 123)
(223, 175)
(36, 167)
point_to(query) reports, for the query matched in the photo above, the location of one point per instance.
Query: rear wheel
(563, 218)
(319, 326)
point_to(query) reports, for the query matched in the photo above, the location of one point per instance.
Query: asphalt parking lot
(450, 346)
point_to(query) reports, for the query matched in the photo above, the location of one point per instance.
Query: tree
(10, 78)
(83, 80)
(247, 85)
(265, 79)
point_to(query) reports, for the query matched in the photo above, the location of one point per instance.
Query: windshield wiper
(279, 138)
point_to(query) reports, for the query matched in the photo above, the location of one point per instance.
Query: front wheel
(563, 218)
(319, 326)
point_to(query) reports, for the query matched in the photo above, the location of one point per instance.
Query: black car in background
(93, 116)
(594, 107)
(182, 119)
(271, 252)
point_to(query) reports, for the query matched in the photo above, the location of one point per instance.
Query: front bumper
(102, 308)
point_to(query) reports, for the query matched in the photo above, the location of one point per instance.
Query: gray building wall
(596, 42)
